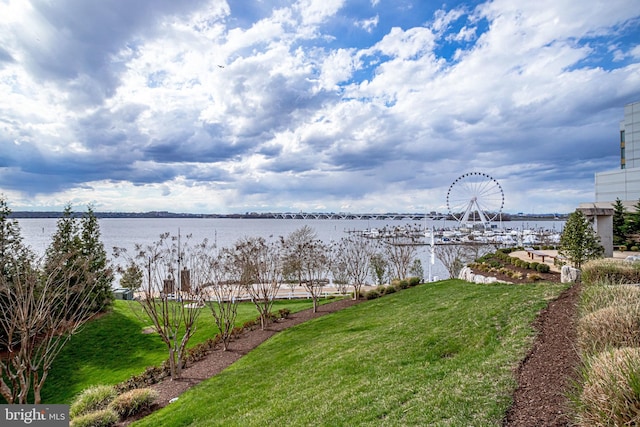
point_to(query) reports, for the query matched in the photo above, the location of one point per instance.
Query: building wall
(631, 128)
(623, 183)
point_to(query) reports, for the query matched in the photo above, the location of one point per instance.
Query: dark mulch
(543, 377)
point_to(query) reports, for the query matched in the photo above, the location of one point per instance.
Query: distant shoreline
(271, 215)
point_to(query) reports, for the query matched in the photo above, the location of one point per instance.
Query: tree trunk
(38, 383)
(172, 364)
(5, 391)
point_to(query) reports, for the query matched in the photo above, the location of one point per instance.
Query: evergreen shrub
(543, 268)
(372, 294)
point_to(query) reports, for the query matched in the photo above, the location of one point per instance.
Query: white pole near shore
(432, 261)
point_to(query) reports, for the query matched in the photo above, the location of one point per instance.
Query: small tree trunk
(172, 364)
(5, 391)
(37, 387)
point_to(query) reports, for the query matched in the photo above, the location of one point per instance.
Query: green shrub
(101, 418)
(92, 399)
(635, 249)
(284, 313)
(610, 393)
(534, 265)
(389, 290)
(382, 290)
(543, 268)
(522, 263)
(372, 294)
(414, 281)
(133, 401)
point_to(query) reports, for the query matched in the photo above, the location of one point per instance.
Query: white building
(623, 183)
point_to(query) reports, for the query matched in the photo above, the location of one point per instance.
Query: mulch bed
(543, 376)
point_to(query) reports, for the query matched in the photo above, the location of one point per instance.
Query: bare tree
(222, 295)
(258, 268)
(378, 266)
(340, 276)
(40, 313)
(454, 256)
(168, 298)
(307, 260)
(353, 255)
(400, 252)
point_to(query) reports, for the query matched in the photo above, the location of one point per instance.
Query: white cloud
(281, 110)
(368, 24)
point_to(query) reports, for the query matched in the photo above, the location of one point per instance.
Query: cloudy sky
(310, 105)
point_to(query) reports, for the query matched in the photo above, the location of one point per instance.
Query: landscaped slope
(114, 347)
(438, 354)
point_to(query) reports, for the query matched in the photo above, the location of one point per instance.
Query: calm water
(126, 232)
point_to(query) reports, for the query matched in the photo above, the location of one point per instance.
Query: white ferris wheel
(475, 197)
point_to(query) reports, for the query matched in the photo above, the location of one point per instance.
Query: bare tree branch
(170, 304)
(307, 260)
(40, 314)
(353, 255)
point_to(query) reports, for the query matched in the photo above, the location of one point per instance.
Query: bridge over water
(365, 216)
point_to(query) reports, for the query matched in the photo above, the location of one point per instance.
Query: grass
(440, 354)
(112, 347)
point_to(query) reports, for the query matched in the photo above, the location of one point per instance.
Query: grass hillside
(113, 347)
(439, 354)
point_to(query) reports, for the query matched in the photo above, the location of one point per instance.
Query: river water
(224, 232)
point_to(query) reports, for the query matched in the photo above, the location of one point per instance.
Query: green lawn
(440, 354)
(112, 348)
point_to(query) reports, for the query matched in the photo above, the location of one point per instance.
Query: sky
(362, 106)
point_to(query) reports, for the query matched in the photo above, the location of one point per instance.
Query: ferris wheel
(475, 197)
